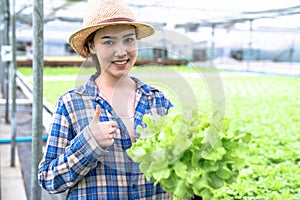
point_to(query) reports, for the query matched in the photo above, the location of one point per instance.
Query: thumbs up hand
(103, 132)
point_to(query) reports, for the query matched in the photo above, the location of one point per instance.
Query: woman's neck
(109, 84)
(119, 94)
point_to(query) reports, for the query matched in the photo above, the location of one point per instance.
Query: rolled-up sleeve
(66, 160)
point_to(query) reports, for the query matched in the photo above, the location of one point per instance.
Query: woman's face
(116, 49)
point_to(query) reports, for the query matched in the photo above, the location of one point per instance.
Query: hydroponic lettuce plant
(189, 154)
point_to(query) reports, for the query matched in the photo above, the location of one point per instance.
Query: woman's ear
(91, 47)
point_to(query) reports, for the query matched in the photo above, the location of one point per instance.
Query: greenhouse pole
(212, 53)
(1, 39)
(13, 86)
(5, 37)
(250, 44)
(37, 104)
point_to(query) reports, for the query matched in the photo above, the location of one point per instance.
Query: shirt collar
(90, 88)
(144, 88)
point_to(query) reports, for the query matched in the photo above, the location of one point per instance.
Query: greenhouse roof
(189, 14)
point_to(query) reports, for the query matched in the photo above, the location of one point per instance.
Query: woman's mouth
(120, 63)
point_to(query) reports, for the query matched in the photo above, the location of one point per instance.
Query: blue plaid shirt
(73, 160)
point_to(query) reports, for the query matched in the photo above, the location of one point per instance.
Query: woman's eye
(129, 39)
(108, 42)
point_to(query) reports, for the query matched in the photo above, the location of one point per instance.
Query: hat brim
(77, 40)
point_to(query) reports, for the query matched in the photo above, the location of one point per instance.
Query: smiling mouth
(121, 62)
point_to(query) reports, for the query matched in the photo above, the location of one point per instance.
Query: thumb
(97, 114)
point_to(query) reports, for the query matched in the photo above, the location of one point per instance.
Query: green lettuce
(191, 153)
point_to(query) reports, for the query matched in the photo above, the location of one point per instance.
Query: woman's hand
(103, 132)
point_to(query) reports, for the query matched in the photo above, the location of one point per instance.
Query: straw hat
(101, 13)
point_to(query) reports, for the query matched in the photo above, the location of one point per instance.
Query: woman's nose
(121, 50)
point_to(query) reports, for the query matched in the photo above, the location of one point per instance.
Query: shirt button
(133, 186)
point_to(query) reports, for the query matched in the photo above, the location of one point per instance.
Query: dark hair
(90, 41)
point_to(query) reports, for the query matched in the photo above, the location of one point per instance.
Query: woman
(95, 123)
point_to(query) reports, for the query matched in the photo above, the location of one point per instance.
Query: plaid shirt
(74, 161)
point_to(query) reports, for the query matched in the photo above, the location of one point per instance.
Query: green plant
(189, 153)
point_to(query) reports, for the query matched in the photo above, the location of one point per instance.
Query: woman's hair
(88, 42)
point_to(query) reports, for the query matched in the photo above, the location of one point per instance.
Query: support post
(13, 86)
(250, 44)
(1, 41)
(6, 25)
(37, 106)
(212, 47)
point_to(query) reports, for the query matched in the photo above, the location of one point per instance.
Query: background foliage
(267, 106)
